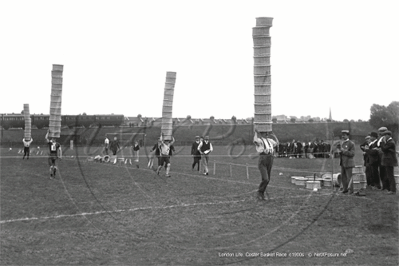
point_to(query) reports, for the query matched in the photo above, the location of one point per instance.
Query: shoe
(168, 176)
(260, 196)
(344, 191)
(205, 173)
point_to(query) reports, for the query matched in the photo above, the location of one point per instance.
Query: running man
(106, 145)
(136, 152)
(26, 147)
(114, 147)
(164, 157)
(55, 152)
(265, 147)
(196, 153)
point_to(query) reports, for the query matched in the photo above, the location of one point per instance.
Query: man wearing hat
(205, 148)
(195, 153)
(363, 147)
(346, 152)
(381, 168)
(373, 160)
(389, 160)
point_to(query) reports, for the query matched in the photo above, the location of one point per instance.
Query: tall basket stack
(167, 122)
(262, 74)
(28, 122)
(55, 103)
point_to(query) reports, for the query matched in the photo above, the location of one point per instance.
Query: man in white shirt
(265, 147)
(26, 147)
(106, 145)
(164, 154)
(205, 148)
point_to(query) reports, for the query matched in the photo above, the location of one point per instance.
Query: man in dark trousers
(346, 152)
(27, 143)
(265, 147)
(205, 148)
(114, 147)
(363, 147)
(55, 152)
(381, 168)
(389, 160)
(371, 151)
(195, 153)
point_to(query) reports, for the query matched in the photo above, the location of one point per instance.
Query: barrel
(327, 179)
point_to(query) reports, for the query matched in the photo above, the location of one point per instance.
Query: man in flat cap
(205, 148)
(389, 160)
(346, 152)
(373, 160)
(196, 153)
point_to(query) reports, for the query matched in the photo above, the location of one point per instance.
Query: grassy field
(98, 213)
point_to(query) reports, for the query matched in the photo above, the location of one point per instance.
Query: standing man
(364, 146)
(346, 152)
(136, 152)
(389, 160)
(106, 145)
(26, 147)
(265, 147)
(385, 184)
(114, 146)
(196, 153)
(205, 148)
(373, 160)
(154, 152)
(164, 150)
(55, 152)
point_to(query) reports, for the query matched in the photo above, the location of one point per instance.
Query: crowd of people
(309, 149)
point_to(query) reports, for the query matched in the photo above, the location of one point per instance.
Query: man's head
(345, 134)
(381, 130)
(373, 136)
(115, 138)
(206, 138)
(368, 139)
(387, 133)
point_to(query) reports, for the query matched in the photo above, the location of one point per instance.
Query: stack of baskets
(359, 178)
(55, 103)
(262, 74)
(28, 123)
(167, 121)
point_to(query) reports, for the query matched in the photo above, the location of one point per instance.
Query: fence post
(231, 170)
(247, 171)
(214, 167)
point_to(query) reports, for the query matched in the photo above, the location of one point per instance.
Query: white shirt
(265, 145)
(27, 143)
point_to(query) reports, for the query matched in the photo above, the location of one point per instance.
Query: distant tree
(292, 120)
(346, 120)
(84, 113)
(311, 120)
(22, 112)
(360, 120)
(274, 120)
(329, 120)
(381, 116)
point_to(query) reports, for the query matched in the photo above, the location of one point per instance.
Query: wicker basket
(167, 109)
(262, 79)
(171, 74)
(358, 169)
(167, 113)
(56, 99)
(262, 40)
(262, 99)
(56, 87)
(262, 50)
(264, 21)
(57, 81)
(168, 97)
(55, 111)
(262, 70)
(58, 67)
(265, 108)
(168, 92)
(310, 184)
(263, 127)
(56, 74)
(167, 103)
(262, 60)
(56, 92)
(260, 31)
(263, 89)
(262, 118)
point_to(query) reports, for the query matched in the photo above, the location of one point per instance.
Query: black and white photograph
(258, 132)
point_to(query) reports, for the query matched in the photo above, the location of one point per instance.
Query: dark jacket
(346, 159)
(389, 153)
(372, 155)
(194, 149)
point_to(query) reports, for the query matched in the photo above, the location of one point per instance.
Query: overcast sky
(342, 55)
